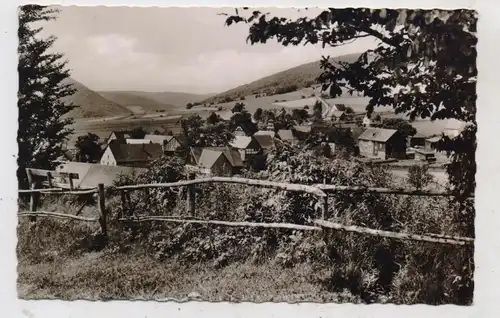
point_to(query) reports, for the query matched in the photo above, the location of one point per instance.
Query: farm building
(247, 146)
(431, 143)
(425, 155)
(222, 161)
(336, 115)
(159, 139)
(132, 141)
(134, 155)
(301, 132)
(121, 136)
(327, 109)
(418, 140)
(266, 142)
(265, 132)
(244, 130)
(286, 136)
(91, 174)
(381, 143)
(225, 115)
(174, 144)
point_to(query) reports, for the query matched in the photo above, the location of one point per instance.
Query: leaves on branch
(424, 65)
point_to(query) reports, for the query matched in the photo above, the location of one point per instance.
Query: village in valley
(154, 166)
(310, 123)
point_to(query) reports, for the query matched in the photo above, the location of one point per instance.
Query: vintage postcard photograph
(247, 154)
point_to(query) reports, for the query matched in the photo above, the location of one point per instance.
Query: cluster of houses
(121, 151)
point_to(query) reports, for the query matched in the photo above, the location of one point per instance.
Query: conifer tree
(43, 128)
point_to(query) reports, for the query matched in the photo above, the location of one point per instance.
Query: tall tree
(238, 108)
(138, 133)
(89, 149)
(43, 128)
(300, 115)
(317, 110)
(213, 119)
(258, 114)
(424, 66)
(197, 134)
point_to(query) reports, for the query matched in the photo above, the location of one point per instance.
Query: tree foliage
(258, 114)
(419, 176)
(197, 134)
(213, 119)
(300, 115)
(88, 148)
(43, 128)
(238, 108)
(138, 133)
(424, 65)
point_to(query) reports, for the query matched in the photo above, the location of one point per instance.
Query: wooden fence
(320, 191)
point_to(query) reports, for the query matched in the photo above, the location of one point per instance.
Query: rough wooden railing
(321, 191)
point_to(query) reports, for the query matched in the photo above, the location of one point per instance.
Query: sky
(173, 49)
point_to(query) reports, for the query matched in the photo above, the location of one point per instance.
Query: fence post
(325, 213)
(34, 196)
(49, 179)
(71, 186)
(124, 204)
(190, 196)
(102, 209)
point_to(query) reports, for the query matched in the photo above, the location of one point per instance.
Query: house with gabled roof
(380, 143)
(133, 155)
(222, 161)
(266, 142)
(120, 136)
(159, 139)
(265, 132)
(174, 143)
(286, 135)
(91, 174)
(301, 132)
(247, 146)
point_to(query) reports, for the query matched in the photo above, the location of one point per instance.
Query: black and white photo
(247, 154)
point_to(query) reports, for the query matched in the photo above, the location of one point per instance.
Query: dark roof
(377, 134)
(135, 152)
(265, 141)
(158, 139)
(124, 134)
(249, 129)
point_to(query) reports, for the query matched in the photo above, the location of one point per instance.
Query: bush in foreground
(369, 269)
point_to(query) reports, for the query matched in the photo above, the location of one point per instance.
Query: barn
(381, 144)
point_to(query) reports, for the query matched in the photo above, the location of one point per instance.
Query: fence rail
(321, 191)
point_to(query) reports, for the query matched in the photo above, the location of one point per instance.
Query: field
(98, 275)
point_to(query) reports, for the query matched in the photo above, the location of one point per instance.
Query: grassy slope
(92, 104)
(162, 100)
(135, 102)
(178, 99)
(301, 75)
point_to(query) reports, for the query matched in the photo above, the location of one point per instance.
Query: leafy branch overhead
(424, 63)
